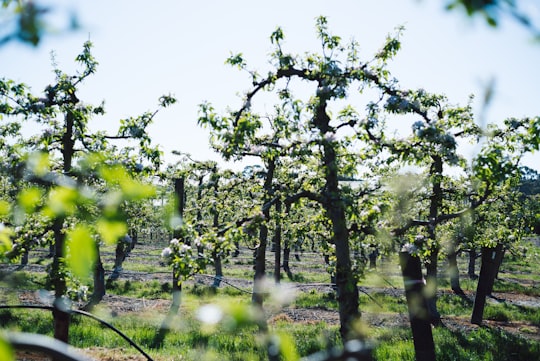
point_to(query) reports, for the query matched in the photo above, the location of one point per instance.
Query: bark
(332, 276)
(485, 282)
(498, 263)
(61, 319)
(431, 288)
(176, 285)
(277, 244)
(218, 268)
(99, 283)
(347, 290)
(453, 270)
(286, 258)
(260, 253)
(419, 314)
(435, 205)
(173, 311)
(123, 247)
(472, 264)
(215, 224)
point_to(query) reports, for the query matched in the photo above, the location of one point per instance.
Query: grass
(314, 299)
(139, 289)
(240, 340)
(479, 345)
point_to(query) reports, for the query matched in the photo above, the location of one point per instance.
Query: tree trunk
(419, 314)
(435, 205)
(122, 249)
(257, 298)
(176, 285)
(347, 290)
(277, 244)
(286, 257)
(61, 319)
(472, 264)
(485, 282)
(99, 283)
(498, 263)
(431, 288)
(260, 267)
(215, 224)
(453, 270)
(218, 268)
(173, 311)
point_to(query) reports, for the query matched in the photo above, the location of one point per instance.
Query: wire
(87, 314)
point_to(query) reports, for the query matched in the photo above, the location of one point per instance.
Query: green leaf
(5, 242)
(81, 251)
(62, 201)
(29, 199)
(4, 208)
(6, 351)
(287, 347)
(134, 190)
(111, 230)
(113, 174)
(38, 163)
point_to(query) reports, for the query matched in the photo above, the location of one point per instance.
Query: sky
(147, 49)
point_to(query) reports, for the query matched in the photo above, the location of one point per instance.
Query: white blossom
(184, 248)
(329, 136)
(284, 142)
(166, 253)
(409, 248)
(174, 242)
(209, 314)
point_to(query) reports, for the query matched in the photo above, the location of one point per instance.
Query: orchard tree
(433, 145)
(265, 138)
(211, 196)
(61, 164)
(339, 140)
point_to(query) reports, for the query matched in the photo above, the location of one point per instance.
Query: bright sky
(147, 49)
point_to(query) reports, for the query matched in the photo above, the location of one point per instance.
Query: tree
(338, 143)
(64, 159)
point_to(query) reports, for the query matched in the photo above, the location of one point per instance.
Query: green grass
(190, 340)
(22, 280)
(314, 299)
(479, 345)
(138, 289)
(507, 312)
(514, 287)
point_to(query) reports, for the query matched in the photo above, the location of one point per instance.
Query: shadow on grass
(483, 343)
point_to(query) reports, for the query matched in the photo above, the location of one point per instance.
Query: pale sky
(146, 49)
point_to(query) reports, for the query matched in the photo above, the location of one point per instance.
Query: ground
(120, 305)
